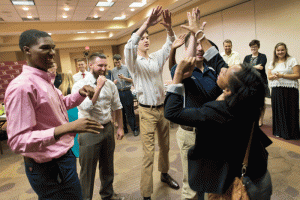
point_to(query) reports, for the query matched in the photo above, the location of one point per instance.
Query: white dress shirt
(108, 100)
(147, 73)
(78, 76)
(232, 59)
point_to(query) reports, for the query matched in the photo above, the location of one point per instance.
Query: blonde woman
(66, 88)
(67, 83)
(283, 75)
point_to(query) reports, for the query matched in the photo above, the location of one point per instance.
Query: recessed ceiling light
(105, 3)
(95, 16)
(29, 17)
(101, 31)
(50, 33)
(119, 18)
(82, 32)
(25, 8)
(66, 9)
(23, 3)
(92, 31)
(132, 9)
(101, 9)
(138, 4)
(64, 16)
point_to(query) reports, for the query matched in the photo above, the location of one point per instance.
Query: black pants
(128, 110)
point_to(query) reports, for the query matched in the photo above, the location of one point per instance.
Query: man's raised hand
(153, 19)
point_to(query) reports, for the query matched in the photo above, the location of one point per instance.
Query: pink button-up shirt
(34, 107)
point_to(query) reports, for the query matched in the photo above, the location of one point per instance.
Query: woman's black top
(261, 59)
(222, 134)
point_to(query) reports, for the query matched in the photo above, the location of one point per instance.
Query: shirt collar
(90, 76)
(37, 72)
(206, 68)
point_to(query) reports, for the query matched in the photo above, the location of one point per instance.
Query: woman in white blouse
(283, 75)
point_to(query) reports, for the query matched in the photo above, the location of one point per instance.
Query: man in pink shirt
(38, 126)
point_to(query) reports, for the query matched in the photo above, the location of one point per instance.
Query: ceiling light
(23, 3)
(92, 31)
(64, 16)
(101, 31)
(82, 32)
(50, 33)
(109, 0)
(119, 18)
(25, 8)
(132, 9)
(66, 9)
(101, 9)
(138, 4)
(105, 3)
(95, 16)
(29, 17)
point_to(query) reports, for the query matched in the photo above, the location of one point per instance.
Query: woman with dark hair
(258, 61)
(219, 123)
(283, 73)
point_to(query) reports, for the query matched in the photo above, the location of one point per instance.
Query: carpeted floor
(284, 167)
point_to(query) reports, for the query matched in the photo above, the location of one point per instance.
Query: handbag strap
(246, 158)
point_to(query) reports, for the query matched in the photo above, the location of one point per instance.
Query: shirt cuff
(171, 38)
(176, 89)
(49, 138)
(210, 53)
(79, 98)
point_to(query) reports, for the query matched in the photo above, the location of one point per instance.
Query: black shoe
(136, 132)
(126, 131)
(166, 178)
(147, 198)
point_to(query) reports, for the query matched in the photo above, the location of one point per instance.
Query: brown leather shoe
(166, 178)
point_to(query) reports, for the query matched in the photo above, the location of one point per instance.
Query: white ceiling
(53, 10)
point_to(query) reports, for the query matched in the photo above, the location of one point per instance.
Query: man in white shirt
(146, 72)
(99, 147)
(229, 56)
(81, 65)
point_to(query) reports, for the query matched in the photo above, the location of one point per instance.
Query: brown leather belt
(148, 106)
(125, 89)
(187, 128)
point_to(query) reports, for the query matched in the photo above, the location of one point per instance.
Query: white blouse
(284, 68)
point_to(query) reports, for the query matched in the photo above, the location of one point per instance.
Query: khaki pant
(185, 140)
(152, 120)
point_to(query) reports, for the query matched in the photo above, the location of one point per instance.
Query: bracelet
(201, 38)
(198, 33)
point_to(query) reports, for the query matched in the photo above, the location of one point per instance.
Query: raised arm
(176, 44)
(211, 55)
(130, 50)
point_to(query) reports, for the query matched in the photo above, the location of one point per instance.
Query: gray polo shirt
(121, 84)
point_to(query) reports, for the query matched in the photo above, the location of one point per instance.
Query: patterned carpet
(284, 167)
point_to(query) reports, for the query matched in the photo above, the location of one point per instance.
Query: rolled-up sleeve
(21, 120)
(115, 100)
(163, 54)
(130, 51)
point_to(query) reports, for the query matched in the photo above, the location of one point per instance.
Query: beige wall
(270, 21)
(8, 56)
(69, 55)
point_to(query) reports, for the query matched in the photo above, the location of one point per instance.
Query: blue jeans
(57, 179)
